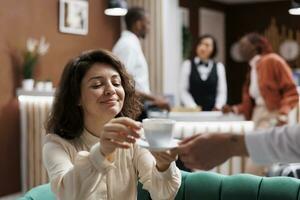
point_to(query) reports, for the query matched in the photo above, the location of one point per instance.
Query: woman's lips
(110, 101)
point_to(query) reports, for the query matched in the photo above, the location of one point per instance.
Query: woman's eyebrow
(101, 77)
(96, 77)
(116, 76)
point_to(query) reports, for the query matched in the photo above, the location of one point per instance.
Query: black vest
(203, 92)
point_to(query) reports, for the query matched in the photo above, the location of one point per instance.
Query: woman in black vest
(203, 81)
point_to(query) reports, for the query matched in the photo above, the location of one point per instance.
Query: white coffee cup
(158, 132)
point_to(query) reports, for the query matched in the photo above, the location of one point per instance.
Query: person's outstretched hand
(164, 159)
(216, 109)
(227, 109)
(162, 103)
(206, 151)
(119, 133)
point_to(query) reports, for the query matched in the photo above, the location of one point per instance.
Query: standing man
(128, 48)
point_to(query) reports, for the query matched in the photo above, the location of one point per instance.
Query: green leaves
(30, 61)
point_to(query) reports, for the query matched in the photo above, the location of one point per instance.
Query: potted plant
(34, 49)
(186, 42)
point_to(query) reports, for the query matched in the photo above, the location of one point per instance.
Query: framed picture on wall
(73, 16)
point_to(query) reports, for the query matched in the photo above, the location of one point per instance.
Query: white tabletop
(197, 116)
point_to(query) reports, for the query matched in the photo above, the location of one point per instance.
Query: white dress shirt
(254, 87)
(128, 49)
(78, 171)
(279, 144)
(185, 95)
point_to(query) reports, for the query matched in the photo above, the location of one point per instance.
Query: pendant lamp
(116, 8)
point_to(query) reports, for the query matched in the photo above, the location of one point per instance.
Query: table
(197, 116)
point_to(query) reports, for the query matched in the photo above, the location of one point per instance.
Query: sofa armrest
(38, 192)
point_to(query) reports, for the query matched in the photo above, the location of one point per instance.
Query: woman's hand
(118, 133)
(227, 109)
(164, 159)
(216, 109)
(282, 120)
(162, 103)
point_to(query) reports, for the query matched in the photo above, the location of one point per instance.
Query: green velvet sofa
(212, 186)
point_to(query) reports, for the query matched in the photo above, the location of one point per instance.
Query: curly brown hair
(66, 117)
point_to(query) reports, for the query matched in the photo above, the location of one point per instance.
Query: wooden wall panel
(20, 20)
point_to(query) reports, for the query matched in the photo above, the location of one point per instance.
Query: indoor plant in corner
(34, 49)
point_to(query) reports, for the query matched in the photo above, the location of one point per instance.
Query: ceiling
(245, 1)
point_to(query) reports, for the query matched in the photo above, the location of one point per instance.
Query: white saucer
(144, 144)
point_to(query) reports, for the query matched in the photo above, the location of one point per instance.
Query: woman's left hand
(216, 109)
(281, 123)
(282, 120)
(119, 133)
(164, 159)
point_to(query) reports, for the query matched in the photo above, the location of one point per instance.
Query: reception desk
(204, 116)
(196, 116)
(35, 107)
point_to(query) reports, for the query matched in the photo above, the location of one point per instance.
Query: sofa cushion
(203, 185)
(279, 188)
(212, 186)
(241, 185)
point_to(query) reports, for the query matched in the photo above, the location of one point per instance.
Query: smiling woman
(92, 136)
(74, 84)
(102, 94)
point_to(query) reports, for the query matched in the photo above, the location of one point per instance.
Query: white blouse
(77, 170)
(254, 86)
(185, 95)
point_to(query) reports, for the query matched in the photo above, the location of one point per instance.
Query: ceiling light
(116, 8)
(295, 7)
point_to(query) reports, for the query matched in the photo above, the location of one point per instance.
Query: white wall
(213, 22)
(172, 41)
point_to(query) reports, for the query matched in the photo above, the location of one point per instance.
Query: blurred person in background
(203, 80)
(128, 48)
(269, 92)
